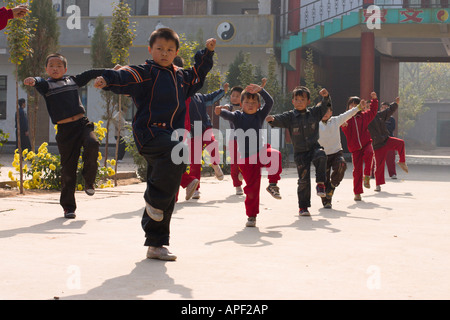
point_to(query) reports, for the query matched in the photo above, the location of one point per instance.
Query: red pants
(394, 144)
(390, 163)
(361, 157)
(251, 172)
(234, 167)
(195, 154)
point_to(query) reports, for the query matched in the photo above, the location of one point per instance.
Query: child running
(159, 89)
(383, 142)
(330, 140)
(254, 154)
(359, 142)
(303, 126)
(75, 131)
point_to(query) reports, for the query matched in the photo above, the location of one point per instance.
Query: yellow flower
(111, 172)
(102, 186)
(36, 175)
(10, 175)
(113, 162)
(30, 155)
(80, 187)
(24, 152)
(99, 156)
(52, 166)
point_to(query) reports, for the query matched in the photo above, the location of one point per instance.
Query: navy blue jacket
(159, 93)
(197, 109)
(250, 124)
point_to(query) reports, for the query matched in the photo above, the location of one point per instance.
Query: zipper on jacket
(178, 101)
(357, 133)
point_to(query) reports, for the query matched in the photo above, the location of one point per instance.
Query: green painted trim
(391, 16)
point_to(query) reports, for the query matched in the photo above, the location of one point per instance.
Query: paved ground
(392, 245)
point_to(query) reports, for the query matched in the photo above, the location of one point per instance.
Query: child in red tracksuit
(254, 154)
(359, 142)
(383, 142)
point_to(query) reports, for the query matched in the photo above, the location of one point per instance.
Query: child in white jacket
(330, 140)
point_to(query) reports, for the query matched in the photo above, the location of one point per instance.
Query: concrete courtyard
(392, 245)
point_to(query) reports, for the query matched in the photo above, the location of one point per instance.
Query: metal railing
(317, 12)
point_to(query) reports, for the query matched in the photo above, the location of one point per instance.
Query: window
(195, 7)
(138, 7)
(83, 4)
(3, 80)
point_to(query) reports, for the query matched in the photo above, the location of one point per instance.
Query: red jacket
(356, 131)
(5, 15)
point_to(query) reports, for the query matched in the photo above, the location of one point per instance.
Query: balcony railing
(317, 12)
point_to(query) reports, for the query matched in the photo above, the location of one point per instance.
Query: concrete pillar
(264, 6)
(367, 68)
(294, 16)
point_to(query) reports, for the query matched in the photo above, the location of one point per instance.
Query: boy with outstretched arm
(330, 140)
(254, 153)
(159, 89)
(74, 129)
(303, 126)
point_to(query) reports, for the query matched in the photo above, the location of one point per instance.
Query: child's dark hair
(56, 55)
(165, 33)
(356, 100)
(299, 91)
(385, 104)
(178, 61)
(237, 89)
(248, 95)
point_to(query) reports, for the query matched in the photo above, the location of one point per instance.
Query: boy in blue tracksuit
(159, 89)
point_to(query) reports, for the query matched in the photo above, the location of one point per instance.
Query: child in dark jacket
(383, 142)
(159, 89)
(74, 129)
(254, 153)
(303, 126)
(359, 142)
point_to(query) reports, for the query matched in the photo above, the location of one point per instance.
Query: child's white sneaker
(239, 191)
(196, 195)
(190, 189)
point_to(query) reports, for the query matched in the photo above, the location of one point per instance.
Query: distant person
(24, 132)
(330, 140)
(390, 155)
(382, 142)
(359, 142)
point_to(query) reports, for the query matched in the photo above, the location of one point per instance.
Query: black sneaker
(90, 190)
(69, 214)
(303, 212)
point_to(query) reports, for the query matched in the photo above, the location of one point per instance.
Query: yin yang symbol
(225, 31)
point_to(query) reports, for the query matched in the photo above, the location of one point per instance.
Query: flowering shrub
(42, 170)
